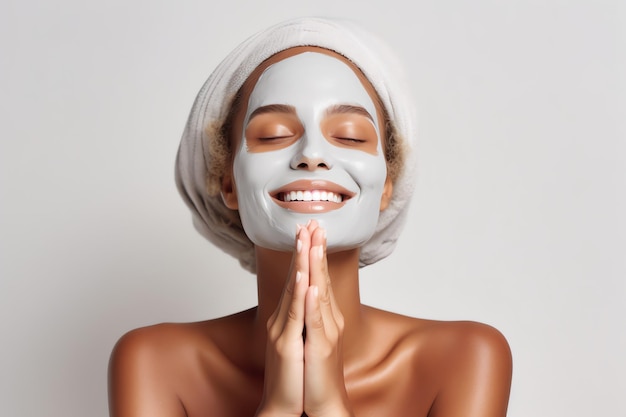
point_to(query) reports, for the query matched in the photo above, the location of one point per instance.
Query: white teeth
(315, 195)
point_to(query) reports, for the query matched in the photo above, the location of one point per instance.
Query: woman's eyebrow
(273, 108)
(348, 108)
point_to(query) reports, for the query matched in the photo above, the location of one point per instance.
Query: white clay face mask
(311, 149)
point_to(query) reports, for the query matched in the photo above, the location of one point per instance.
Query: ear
(229, 191)
(385, 199)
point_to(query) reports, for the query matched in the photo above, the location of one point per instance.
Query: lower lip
(309, 206)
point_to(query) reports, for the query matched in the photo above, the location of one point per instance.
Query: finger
(325, 275)
(299, 262)
(317, 258)
(311, 226)
(313, 319)
(320, 277)
(290, 312)
(290, 280)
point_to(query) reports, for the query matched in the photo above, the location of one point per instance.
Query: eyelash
(351, 140)
(268, 138)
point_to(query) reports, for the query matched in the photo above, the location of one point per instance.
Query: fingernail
(308, 223)
(315, 290)
(298, 228)
(320, 251)
(299, 246)
(298, 276)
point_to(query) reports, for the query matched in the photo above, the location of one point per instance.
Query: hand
(283, 390)
(304, 368)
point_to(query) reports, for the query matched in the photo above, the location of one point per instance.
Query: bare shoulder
(143, 369)
(466, 340)
(151, 346)
(154, 339)
(456, 338)
(154, 370)
(472, 365)
(463, 367)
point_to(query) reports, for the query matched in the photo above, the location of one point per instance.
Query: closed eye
(271, 130)
(354, 140)
(275, 137)
(351, 130)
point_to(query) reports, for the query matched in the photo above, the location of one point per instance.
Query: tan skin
(354, 361)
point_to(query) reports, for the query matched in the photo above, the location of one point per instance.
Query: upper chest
(394, 384)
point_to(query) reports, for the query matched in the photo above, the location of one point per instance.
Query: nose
(312, 154)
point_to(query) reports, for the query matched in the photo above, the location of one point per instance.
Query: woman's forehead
(252, 80)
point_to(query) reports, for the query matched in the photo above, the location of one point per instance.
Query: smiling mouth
(311, 196)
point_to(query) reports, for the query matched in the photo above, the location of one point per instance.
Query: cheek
(254, 171)
(243, 172)
(368, 171)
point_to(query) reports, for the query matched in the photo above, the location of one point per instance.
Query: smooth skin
(352, 360)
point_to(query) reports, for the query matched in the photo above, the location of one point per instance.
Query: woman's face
(309, 147)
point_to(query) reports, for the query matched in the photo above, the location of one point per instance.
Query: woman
(297, 160)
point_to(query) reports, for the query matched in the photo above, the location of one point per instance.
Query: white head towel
(221, 225)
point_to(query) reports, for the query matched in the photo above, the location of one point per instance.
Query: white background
(517, 220)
